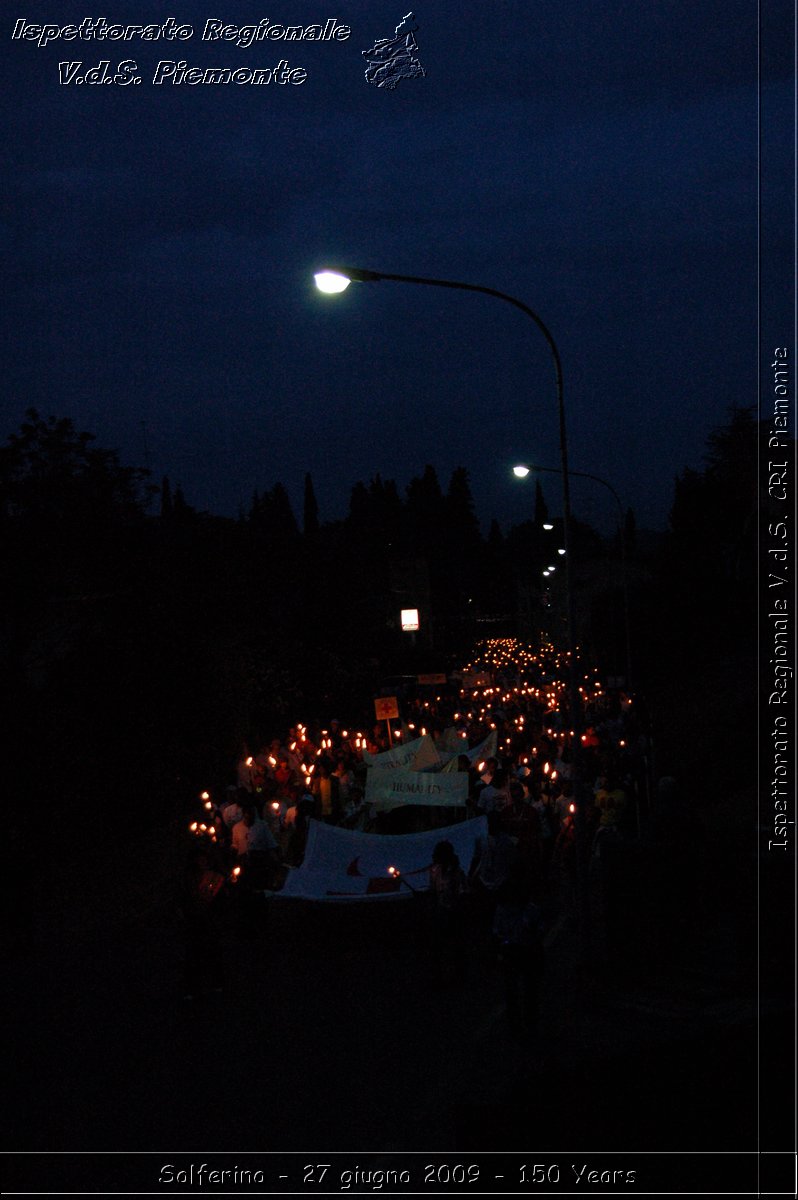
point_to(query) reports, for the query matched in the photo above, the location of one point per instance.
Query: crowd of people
(512, 701)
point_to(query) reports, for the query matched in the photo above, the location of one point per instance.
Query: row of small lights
(494, 652)
(203, 829)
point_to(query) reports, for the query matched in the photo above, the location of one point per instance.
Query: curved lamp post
(522, 470)
(335, 280)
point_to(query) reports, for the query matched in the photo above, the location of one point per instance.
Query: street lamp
(331, 282)
(334, 280)
(337, 279)
(522, 470)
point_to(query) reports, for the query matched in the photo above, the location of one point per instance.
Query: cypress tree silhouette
(310, 511)
(461, 520)
(541, 508)
(425, 510)
(167, 506)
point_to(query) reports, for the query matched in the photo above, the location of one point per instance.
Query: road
(329, 1034)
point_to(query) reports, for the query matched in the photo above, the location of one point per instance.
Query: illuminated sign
(409, 620)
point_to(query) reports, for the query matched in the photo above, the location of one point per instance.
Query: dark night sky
(598, 160)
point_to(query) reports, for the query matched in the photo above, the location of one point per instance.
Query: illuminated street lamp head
(547, 525)
(331, 282)
(520, 471)
(338, 279)
(561, 551)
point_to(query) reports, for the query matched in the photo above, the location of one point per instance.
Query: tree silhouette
(388, 512)
(310, 511)
(461, 520)
(273, 518)
(167, 506)
(630, 531)
(714, 510)
(50, 472)
(425, 511)
(541, 508)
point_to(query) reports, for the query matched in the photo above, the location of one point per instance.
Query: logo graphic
(392, 59)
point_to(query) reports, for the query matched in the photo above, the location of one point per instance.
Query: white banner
(486, 749)
(415, 756)
(345, 864)
(392, 789)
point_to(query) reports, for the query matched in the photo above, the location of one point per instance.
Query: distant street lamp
(335, 280)
(522, 470)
